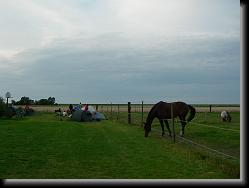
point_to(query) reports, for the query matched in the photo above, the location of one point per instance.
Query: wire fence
(135, 114)
(182, 139)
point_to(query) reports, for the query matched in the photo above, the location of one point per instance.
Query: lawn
(44, 147)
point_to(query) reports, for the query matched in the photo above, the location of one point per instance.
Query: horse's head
(147, 129)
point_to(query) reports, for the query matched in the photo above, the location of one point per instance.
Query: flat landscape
(133, 90)
(46, 146)
(136, 108)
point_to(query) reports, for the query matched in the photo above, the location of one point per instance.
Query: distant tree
(43, 102)
(25, 101)
(51, 100)
(28, 101)
(32, 101)
(13, 102)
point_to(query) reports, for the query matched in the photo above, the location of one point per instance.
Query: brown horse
(162, 111)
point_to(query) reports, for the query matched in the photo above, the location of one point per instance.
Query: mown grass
(44, 147)
(206, 128)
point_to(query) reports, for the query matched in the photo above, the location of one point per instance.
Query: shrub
(2, 106)
(9, 112)
(28, 111)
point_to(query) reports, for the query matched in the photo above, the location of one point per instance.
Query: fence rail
(136, 107)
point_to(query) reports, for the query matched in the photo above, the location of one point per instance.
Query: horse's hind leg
(167, 125)
(161, 122)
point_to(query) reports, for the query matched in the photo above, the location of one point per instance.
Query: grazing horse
(162, 111)
(225, 116)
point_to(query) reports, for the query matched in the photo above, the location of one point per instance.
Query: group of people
(71, 109)
(78, 107)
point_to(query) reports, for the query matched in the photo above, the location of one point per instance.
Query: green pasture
(44, 146)
(206, 129)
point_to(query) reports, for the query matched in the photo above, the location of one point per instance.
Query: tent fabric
(99, 116)
(76, 116)
(76, 107)
(96, 115)
(86, 116)
(91, 109)
(80, 115)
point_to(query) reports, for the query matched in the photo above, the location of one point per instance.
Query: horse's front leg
(182, 131)
(167, 125)
(183, 122)
(161, 122)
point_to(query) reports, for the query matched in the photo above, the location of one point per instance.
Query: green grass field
(43, 147)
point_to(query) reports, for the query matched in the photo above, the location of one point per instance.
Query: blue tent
(90, 115)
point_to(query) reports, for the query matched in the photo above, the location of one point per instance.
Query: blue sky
(102, 51)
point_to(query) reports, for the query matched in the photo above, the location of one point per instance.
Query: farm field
(44, 147)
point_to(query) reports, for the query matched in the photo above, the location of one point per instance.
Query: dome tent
(80, 115)
(90, 115)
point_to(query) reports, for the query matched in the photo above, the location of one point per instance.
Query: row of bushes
(23, 101)
(28, 101)
(18, 111)
(12, 111)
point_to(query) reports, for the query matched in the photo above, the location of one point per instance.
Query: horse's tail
(192, 113)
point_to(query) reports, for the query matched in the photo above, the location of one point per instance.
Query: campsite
(45, 145)
(122, 91)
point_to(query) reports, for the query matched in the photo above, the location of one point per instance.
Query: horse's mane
(153, 108)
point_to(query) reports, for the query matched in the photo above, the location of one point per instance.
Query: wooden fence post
(129, 112)
(118, 112)
(7, 104)
(173, 123)
(142, 121)
(111, 111)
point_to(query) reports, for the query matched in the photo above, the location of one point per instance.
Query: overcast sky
(102, 51)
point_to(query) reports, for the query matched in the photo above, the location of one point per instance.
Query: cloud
(40, 22)
(120, 50)
(107, 65)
